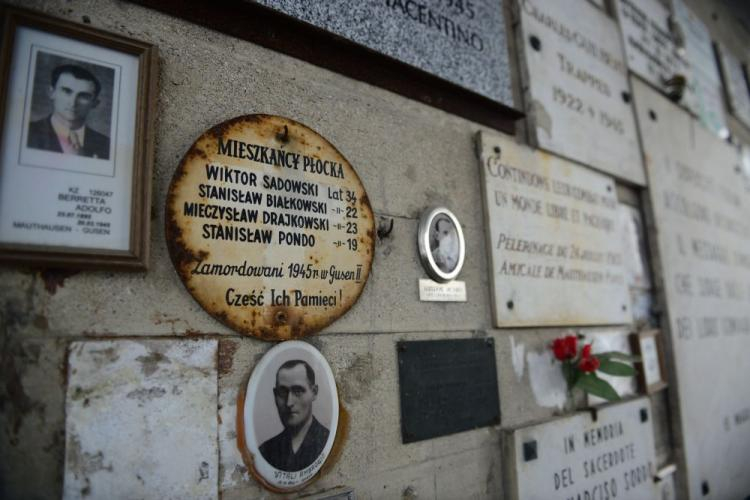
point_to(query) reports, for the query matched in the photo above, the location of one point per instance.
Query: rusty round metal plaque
(269, 227)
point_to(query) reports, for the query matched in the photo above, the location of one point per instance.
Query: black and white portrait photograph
(290, 414)
(76, 157)
(444, 243)
(441, 244)
(71, 106)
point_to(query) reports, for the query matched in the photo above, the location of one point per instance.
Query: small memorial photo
(651, 372)
(77, 107)
(290, 416)
(441, 244)
(71, 109)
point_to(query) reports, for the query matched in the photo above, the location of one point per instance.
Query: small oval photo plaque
(441, 244)
(289, 417)
(269, 227)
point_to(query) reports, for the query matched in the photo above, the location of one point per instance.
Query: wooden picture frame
(651, 369)
(77, 106)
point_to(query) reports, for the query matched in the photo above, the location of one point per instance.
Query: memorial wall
(285, 249)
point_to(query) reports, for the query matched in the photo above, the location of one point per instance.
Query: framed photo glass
(76, 144)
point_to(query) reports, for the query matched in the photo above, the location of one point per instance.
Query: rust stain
(187, 248)
(55, 278)
(227, 349)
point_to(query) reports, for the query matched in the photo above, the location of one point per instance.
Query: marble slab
(575, 84)
(703, 93)
(462, 41)
(650, 48)
(702, 231)
(554, 239)
(141, 420)
(579, 457)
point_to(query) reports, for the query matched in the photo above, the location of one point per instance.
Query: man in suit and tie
(303, 438)
(74, 92)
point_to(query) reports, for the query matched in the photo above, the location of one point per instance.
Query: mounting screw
(536, 44)
(283, 136)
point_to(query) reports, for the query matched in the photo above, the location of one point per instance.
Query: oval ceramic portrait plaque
(269, 227)
(289, 417)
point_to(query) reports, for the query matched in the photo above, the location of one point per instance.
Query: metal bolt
(536, 44)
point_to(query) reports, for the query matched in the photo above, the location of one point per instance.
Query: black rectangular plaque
(447, 386)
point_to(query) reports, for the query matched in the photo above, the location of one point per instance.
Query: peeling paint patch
(547, 383)
(516, 353)
(227, 349)
(55, 278)
(542, 117)
(141, 419)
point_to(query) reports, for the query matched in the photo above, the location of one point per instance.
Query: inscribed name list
(461, 41)
(554, 239)
(578, 97)
(701, 213)
(577, 458)
(269, 227)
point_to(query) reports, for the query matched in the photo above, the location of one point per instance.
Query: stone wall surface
(135, 351)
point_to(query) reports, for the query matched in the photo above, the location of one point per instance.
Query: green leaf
(615, 368)
(594, 385)
(621, 356)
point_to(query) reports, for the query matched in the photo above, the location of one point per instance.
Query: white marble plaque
(650, 49)
(650, 359)
(141, 420)
(576, 457)
(738, 94)
(432, 291)
(554, 239)
(703, 93)
(702, 218)
(577, 94)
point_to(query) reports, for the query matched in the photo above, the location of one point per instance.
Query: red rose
(588, 362)
(565, 348)
(586, 353)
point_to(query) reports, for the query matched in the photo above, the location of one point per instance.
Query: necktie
(73, 139)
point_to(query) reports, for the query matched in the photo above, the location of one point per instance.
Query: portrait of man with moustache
(303, 438)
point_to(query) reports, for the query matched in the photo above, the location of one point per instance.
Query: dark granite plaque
(461, 41)
(447, 386)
